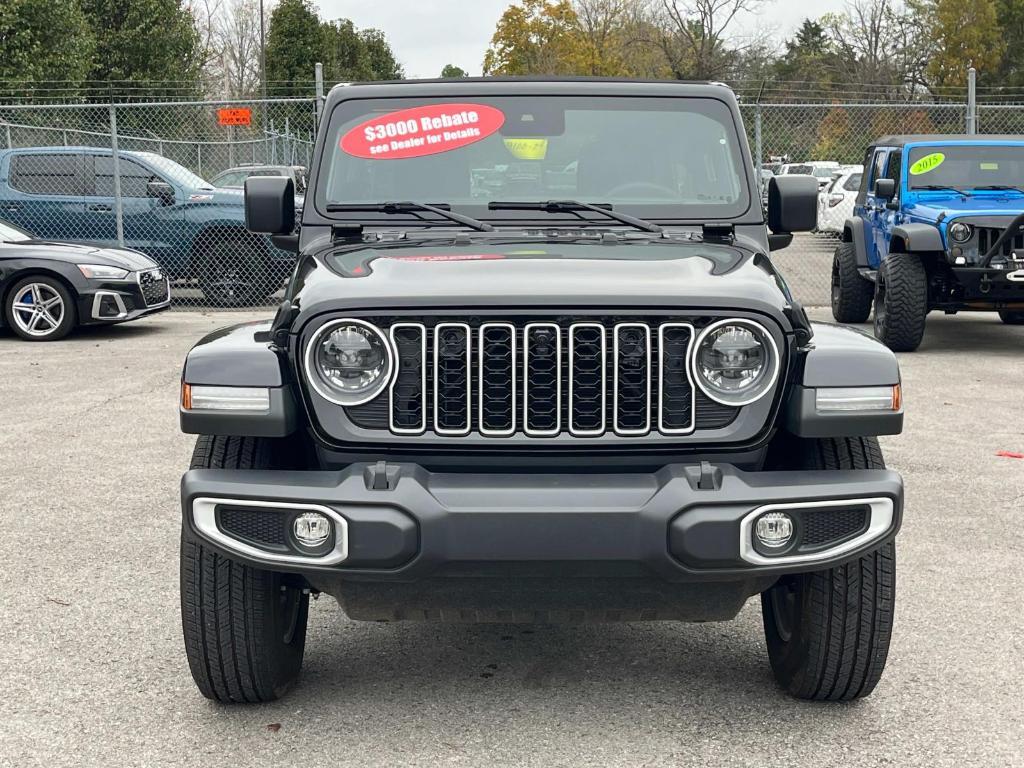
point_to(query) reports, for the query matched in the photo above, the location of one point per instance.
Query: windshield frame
(342, 112)
(937, 146)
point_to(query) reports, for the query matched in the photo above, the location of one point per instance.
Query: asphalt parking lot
(93, 671)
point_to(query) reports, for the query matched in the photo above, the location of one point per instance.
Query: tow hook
(985, 285)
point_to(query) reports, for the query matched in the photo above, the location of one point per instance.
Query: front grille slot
(497, 378)
(987, 237)
(631, 400)
(409, 389)
(543, 379)
(451, 378)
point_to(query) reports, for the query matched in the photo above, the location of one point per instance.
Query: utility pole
(263, 55)
(972, 101)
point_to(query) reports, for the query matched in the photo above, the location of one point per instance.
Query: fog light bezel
(204, 520)
(882, 514)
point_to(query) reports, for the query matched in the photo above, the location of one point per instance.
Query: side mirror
(885, 189)
(270, 205)
(792, 203)
(162, 191)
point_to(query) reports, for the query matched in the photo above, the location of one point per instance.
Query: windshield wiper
(1001, 188)
(943, 187)
(409, 207)
(574, 206)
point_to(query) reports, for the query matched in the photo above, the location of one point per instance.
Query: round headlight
(349, 362)
(736, 362)
(960, 232)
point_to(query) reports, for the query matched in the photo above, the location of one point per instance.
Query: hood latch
(718, 232)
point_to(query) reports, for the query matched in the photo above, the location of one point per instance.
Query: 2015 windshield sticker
(927, 164)
(421, 131)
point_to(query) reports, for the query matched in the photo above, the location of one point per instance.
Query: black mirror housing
(885, 189)
(162, 191)
(270, 205)
(792, 203)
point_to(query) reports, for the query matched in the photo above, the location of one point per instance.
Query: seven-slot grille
(155, 288)
(543, 379)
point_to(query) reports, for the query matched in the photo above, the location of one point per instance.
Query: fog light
(774, 530)
(311, 529)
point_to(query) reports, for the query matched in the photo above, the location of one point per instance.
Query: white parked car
(822, 170)
(835, 202)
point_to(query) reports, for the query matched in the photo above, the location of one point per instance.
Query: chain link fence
(166, 178)
(162, 178)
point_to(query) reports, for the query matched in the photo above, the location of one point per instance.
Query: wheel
(828, 632)
(40, 308)
(851, 293)
(234, 273)
(901, 302)
(1011, 318)
(245, 628)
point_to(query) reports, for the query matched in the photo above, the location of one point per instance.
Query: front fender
(839, 356)
(240, 356)
(916, 238)
(854, 232)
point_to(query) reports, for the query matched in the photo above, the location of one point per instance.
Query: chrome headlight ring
(763, 386)
(334, 394)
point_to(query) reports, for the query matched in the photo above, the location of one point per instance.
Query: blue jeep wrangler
(938, 224)
(192, 230)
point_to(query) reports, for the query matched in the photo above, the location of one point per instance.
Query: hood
(76, 253)
(980, 205)
(641, 274)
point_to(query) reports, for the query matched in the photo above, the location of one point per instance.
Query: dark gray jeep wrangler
(535, 365)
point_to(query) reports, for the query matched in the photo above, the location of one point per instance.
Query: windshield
(653, 157)
(11, 234)
(177, 173)
(966, 166)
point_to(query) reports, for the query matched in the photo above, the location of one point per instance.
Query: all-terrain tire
(1010, 317)
(244, 628)
(901, 302)
(851, 294)
(828, 632)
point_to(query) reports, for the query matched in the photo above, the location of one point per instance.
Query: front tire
(40, 308)
(233, 273)
(901, 302)
(828, 632)
(244, 628)
(851, 293)
(1011, 318)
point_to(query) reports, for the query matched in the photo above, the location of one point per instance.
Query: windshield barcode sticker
(421, 131)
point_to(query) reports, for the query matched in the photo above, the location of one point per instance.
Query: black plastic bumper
(682, 523)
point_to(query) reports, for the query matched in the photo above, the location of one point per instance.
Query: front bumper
(119, 301)
(401, 523)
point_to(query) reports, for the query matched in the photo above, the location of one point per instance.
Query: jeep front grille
(542, 378)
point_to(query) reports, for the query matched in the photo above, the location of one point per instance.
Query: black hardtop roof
(532, 85)
(917, 138)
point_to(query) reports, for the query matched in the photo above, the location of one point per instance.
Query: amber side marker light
(202, 397)
(831, 399)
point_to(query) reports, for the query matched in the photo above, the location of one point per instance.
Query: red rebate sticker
(421, 131)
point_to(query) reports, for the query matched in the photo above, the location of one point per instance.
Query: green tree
(1011, 22)
(144, 40)
(381, 59)
(44, 40)
(964, 35)
(295, 43)
(450, 70)
(539, 37)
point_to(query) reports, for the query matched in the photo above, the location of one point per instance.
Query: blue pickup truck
(938, 225)
(191, 229)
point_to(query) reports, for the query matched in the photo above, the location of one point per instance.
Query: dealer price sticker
(421, 131)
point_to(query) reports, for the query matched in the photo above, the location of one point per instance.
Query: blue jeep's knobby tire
(244, 628)
(851, 293)
(901, 302)
(828, 632)
(1010, 317)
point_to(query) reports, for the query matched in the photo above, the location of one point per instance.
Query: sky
(427, 34)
